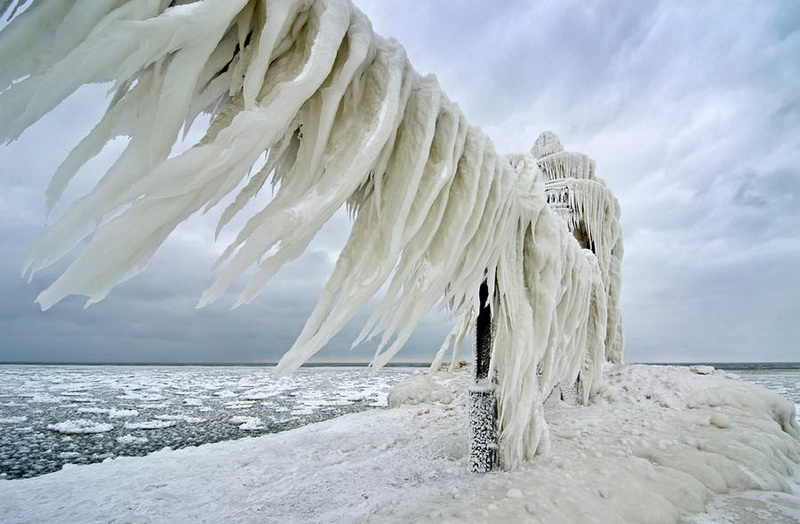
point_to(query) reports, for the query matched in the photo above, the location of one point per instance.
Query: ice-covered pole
(483, 403)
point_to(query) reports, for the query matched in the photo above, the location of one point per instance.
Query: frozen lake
(54, 415)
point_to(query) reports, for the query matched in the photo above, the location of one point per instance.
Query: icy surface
(785, 382)
(79, 426)
(643, 451)
(305, 97)
(141, 409)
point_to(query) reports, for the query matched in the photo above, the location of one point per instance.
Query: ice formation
(341, 119)
(645, 451)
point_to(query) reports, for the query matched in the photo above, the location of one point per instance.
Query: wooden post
(483, 404)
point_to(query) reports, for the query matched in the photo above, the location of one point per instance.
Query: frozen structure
(306, 98)
(592, 214)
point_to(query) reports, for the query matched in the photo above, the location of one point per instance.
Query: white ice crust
(645, 450)
(80, 426)
(342, 119)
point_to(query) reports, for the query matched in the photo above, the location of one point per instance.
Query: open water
(55, 415)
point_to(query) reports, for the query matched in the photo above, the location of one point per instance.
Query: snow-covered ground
(657, 445)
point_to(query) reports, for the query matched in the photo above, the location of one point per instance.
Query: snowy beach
(657, 444)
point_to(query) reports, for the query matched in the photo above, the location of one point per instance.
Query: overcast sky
(691, 110)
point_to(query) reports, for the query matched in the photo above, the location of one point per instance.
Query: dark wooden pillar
(483, 404)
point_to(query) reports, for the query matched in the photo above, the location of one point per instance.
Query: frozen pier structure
(573, 300)
(304, 98)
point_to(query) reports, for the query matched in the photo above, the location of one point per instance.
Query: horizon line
(786, 363)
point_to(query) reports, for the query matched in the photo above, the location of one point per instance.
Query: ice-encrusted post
(483, 404)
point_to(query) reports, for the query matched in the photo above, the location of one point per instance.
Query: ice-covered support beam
(483, 429)
(482, 399)
(483, 335)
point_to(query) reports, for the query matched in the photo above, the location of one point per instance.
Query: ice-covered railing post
(302, 95)
(482, 400)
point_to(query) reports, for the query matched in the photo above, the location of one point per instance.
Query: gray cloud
(691, 111)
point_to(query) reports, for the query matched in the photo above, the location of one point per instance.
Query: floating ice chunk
(130, 439)
(150, 424)
(225, 393)
(260, 395)
(42, 398)
(247, 423)
(181, 418)
(79, 426)
(239, 405)
(158, 405)
(122, 413)
(13, 420)
(96, 411)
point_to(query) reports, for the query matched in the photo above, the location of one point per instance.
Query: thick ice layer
(643, 452)
(342, 119)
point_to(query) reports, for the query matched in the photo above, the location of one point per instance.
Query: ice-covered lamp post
(589, 213)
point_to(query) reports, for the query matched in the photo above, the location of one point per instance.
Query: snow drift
(305, 97)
